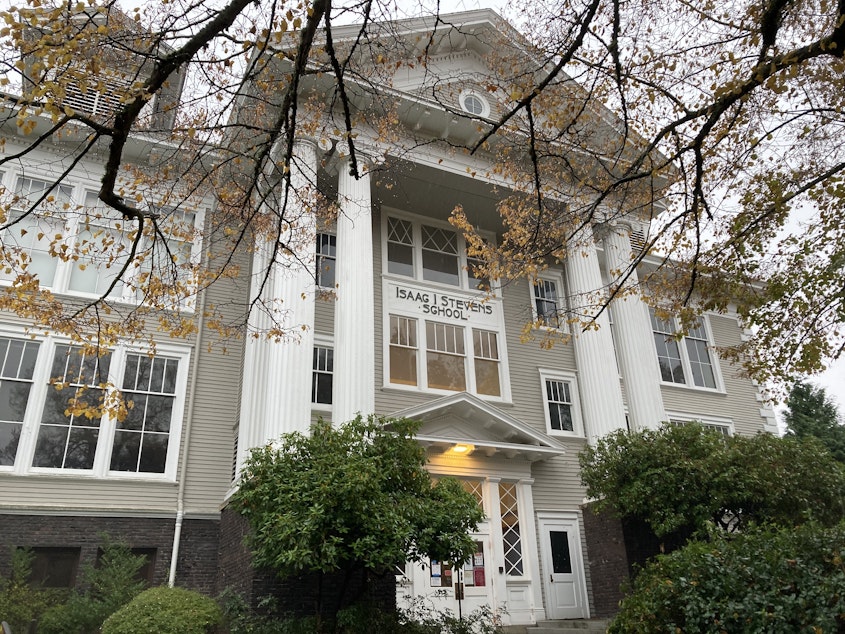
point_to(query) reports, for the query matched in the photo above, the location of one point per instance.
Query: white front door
(444, 587)
(563, 567)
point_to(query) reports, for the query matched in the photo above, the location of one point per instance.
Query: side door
(563, 567)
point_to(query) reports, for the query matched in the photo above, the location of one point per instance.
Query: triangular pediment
(465, 420)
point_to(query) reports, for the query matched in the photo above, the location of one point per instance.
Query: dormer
(90, 60)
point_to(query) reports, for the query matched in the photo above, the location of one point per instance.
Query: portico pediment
(464, 421)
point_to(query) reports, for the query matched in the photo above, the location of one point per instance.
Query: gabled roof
(464, 419)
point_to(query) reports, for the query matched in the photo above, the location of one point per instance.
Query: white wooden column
(256, 355)
(635, 343)
(598, 380)
(354, 330)
(288, 398)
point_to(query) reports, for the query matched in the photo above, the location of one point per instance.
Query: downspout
(183, 460)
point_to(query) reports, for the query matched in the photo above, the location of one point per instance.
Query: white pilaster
(601, 395)
(531, 550)
(354, 331)
(635, 345)
(287, 402)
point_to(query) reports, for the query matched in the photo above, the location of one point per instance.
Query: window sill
(406, 389)
(694, 388)
(70, 474)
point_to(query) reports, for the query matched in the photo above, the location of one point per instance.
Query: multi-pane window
(400, 247)
(70, 420)
(141, 438)
(445, 356)
(17, 366)
(668, 351)
(321, 378)
(456, 358)
(511, 537)
(440, 261)
(403, 350)
(73, 243)
(486, 352)
(101, 248)
(547, 298)
(699, 357)
(34, 236)
(680, 362)
(721, 428)
(59, 408)
(559, 401)
(560, 395)
(326, 258)
(431, 253)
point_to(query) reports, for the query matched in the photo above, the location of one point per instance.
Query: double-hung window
(108, 414)
(547, 301)
(684, 360)
(322, 375)
(37, 230)
(562, 410)
(326, 259)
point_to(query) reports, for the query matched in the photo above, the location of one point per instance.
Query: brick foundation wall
(295, 595)
(607, 559)
(197, 567)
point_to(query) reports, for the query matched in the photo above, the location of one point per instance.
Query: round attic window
(475, 104)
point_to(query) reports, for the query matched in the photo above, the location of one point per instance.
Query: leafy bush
(165, 610)
(21, 602)
(768, 580)
(108, 586)
(681, 480)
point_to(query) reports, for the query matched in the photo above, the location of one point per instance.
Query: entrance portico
(491, 452)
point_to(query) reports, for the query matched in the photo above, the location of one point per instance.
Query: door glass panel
(561, 561)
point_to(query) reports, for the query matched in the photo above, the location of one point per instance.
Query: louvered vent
(638, 240)
(96, 103)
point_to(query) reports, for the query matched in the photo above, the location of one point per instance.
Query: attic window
(474, 104)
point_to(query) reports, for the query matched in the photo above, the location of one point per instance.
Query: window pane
(446, 371)
(10, 435)
(403, 365)
(546, 302)
(440, 267)
(559, 402)
(487, 377)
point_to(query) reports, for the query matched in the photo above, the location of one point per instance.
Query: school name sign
(436, 305)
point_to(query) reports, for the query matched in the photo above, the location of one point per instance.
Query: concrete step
(571, 626)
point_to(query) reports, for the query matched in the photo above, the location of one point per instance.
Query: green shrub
(165, 610)
(113, 583)
(774, 581)
(21, 602)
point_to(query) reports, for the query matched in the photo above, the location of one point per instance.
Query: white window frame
(575, 405)
(717, 423)
(560, 303)
(322, 341)
(464, 279)
(468, 355)
(74, 223)
(108, 425)
(318, 260)
(485, 104)
(686, 366)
